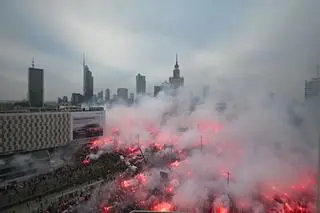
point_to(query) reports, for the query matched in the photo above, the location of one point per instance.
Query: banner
(87, 124)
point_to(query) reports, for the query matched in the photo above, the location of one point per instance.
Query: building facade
(35, 86)
(140, 84)
(31, 131)
(23, 132)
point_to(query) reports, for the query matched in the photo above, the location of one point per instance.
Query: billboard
(87, 124)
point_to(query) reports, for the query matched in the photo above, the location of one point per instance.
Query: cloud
(277, 45)
(272, 42)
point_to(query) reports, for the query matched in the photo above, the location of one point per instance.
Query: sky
(268, 44)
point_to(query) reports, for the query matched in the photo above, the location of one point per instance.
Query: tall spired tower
(176, 81)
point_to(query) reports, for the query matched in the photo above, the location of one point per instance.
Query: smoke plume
(261, 142)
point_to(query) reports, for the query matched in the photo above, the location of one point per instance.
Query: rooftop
(49, 109)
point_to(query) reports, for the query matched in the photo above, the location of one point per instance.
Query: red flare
(175, 164)
(106, 209)
(221, 210)
(163, 207)
(86, 162)
(142, 178)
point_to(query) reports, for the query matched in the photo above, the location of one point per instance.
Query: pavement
(30, 206)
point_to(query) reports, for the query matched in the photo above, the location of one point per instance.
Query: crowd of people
(69, 175)
(67, 203)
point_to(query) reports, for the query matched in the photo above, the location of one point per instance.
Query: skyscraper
(205, 91)
(107, 95)
(100, 96)
(140, 84)
(131, 98)
(156, 90)
(87, 82)
(312, 87)
(176, 81)
(76, 99)
(122, 93)
(65, 99)
(35, 86)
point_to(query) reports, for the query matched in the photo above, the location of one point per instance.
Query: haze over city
(113, 106)
(263, 44)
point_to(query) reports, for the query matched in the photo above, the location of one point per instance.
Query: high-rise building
(87, 82)
(122, 93)
(35, 86)
(100, 95)
(164, 86)
(94, 98)
(131, 98)
(312, 87)
(114, 97)
(107, 95)
(65, 99)
(59, 100)
(205, 91)
(140, 84)
(76, 99)
(156, 90)
(176, 80)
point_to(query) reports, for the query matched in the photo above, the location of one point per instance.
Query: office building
(114, 97)
(30, 131)
(131, 98)
(140, 84)
(176, 80)
(59, 100)
(76, 99)
(122, 93)
(107, 95)
(94, 98)
(312, 87)
(100, 95)
(65, 99)
(206, 92)
(156, 90)
(35, 86)
(87, 82)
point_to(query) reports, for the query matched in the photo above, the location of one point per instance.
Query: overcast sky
(267, 42)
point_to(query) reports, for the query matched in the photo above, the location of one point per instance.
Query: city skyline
(122, 94)
(245, 42)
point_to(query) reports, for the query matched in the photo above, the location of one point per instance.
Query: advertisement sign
(87, 124)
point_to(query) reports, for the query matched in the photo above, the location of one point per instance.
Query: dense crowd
(64, 177)
(66, 203)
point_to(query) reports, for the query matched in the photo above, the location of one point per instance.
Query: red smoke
(298, 197)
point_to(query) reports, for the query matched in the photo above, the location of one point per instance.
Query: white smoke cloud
(262, 145)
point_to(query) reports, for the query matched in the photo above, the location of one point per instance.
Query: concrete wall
(34, 131)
